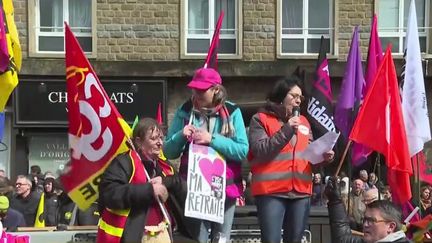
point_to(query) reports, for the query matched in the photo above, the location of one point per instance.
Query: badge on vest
(303, 129)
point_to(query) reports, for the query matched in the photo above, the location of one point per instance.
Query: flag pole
(375, 166)
(417, 182)
(378, 175)
(349, 185)
(343, 157)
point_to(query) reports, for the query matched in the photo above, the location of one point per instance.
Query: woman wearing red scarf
(207, 118)
(131, 212)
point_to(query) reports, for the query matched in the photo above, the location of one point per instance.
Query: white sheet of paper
(314, 152)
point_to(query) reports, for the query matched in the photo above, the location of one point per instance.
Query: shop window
(50, 151)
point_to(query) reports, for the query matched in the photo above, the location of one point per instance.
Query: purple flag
(350, 97)
(375, 55)
(351, 90)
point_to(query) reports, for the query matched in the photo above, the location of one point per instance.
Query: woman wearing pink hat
(208, 119)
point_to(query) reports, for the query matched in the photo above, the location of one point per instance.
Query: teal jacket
(233, 149)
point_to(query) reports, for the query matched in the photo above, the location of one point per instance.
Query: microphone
(296, 111)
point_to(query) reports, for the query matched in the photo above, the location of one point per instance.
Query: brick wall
(138, 30)
(149, 30)
(20, 7)
(259, 30)
(352, 13)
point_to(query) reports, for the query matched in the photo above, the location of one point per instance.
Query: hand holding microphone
(294, 121)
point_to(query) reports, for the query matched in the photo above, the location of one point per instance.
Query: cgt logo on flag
(97, 131)
(93, 142)
(84, 141)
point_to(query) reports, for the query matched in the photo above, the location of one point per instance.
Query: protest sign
(206, 184)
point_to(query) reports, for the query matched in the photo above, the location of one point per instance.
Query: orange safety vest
(287, 171)
(112, 222)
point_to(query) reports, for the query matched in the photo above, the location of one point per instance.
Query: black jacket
(27, 206)
(51, 209)
(67, 208)
(339, 225)
(116, 193)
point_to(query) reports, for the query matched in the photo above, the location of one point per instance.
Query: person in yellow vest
(281, 178)
(130, 212)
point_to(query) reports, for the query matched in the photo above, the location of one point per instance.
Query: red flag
(424, 167)
(97, 132)
(380, 126)
(360, 153)
(211, 60)
(159, 114)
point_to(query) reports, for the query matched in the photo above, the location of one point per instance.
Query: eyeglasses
(21, 184)
(372, 220)
(297, 96)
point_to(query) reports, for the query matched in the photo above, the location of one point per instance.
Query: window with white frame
(393, 19)
(48, 24)
(301, 25)
(200, 20)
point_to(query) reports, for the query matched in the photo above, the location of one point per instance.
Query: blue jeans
(276, 213)
(201, 230)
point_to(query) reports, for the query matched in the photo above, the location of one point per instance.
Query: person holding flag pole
(379, 126)
(134, 182)
(100, 138)
(208, 119)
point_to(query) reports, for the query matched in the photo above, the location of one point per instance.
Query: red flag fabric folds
(97, 132)
(159, 114)
(211, 60)
(380, 126)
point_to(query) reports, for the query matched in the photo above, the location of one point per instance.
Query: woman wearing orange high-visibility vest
(130, 212)
(281, 178)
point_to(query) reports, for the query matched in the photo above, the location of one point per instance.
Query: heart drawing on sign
(209, 168)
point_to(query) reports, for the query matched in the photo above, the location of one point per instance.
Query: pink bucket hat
(204, 78)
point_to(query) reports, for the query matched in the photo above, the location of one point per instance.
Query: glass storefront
(49, 151)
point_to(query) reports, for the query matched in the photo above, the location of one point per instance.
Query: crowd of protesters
(281, 182)
(19, 203)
